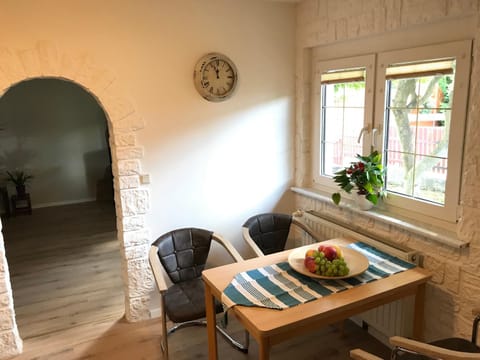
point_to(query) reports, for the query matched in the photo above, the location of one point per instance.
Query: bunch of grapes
(326, 261)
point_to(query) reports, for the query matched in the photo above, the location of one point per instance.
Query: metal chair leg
(231, 340)
(235, 343)
(186, 324)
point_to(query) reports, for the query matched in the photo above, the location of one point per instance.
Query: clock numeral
(211, 90)
(205, 84)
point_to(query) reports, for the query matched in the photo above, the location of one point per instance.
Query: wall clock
(215, 77)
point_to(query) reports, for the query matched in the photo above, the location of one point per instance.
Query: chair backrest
(184, 252)
(269, 231)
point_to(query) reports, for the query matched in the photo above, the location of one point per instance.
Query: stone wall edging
(132, 201)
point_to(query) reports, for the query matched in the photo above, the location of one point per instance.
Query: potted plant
(20, 179)
(366, 176)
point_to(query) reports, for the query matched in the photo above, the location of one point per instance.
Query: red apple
(320, 248)
(309, 263)
(330, 252)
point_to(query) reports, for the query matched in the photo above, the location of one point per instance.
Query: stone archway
(131, 199)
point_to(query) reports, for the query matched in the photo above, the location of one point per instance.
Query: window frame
(363, 61)
(374, 121)
(461, 51)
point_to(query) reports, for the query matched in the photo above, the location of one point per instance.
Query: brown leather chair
(177, 259)
(267, 233)
(445, 349)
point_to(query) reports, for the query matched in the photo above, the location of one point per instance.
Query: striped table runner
(278, 286)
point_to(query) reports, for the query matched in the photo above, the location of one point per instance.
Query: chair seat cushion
(185, 301)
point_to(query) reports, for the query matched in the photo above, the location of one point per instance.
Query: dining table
(272, 326)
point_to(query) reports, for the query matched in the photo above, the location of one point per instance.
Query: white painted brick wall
(10, 341)
(455, 287)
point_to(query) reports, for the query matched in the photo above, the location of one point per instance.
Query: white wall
(55, 131)
(211, 164)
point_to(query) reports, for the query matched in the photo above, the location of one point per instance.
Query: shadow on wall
(18, 157)
(100, 178)
(442, 316)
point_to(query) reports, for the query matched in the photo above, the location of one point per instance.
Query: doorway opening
(64, 256)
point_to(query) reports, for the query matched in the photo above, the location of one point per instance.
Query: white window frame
(365, 61)
(375, 65)
(461, 51)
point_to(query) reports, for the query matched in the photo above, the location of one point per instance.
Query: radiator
(384, 321)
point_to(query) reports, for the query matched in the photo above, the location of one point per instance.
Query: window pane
(417, 135)
(333, 124)
(403, 93)
(342, 114)
(355, 94)
(435, 92)
(401, 129)
(334, 95)
(331, 156)
(399, 178)
(432, 135)
(430, 184)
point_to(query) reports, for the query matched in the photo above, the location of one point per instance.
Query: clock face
(215, 77)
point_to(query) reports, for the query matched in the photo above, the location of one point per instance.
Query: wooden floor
(68, 296)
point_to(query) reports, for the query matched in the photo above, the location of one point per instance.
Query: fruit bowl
(356, 261)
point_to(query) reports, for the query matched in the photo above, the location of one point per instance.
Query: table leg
(418, 316)
(264, 349)
(211, 324)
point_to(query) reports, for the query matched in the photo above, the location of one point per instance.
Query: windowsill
(441, 236)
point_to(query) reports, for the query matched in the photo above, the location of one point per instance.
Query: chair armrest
(431, 350)
(228, 246)
(359, 354)
(157, 269)
(248, 239)
(305, 228)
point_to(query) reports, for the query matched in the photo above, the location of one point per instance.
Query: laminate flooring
(65, 271)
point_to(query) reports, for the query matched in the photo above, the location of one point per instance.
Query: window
(418, 106)
(344, 109)
(410, 105)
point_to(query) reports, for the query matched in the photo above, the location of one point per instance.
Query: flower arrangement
(366, 175)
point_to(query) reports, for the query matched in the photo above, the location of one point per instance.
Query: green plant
(18, 177)
(366, 175)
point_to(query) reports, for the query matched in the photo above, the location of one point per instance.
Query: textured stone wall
(131, 198)
(10, 342)
(455, 287)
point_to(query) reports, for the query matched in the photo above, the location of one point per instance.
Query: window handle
(374, 137)
(365, 129)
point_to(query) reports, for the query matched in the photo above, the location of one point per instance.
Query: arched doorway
(131, 197)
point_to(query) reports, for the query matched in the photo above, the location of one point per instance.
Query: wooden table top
(264, 322)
